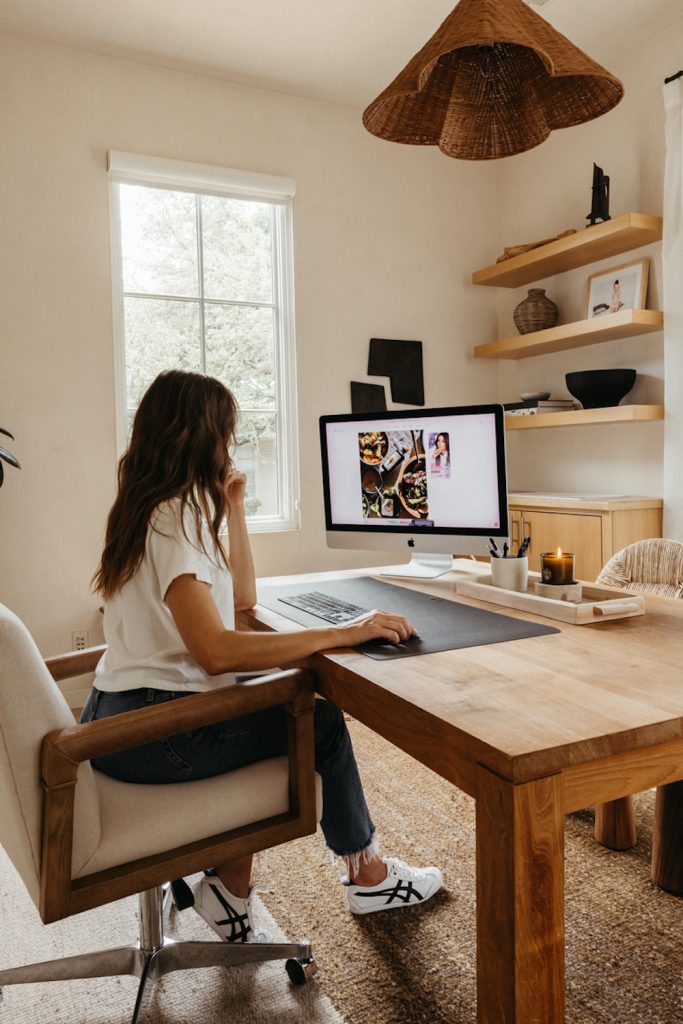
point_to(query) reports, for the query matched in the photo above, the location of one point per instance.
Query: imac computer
(429, 483)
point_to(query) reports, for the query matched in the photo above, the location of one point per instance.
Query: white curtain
(672, 263)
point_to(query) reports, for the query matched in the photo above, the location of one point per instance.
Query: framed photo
(623, 287)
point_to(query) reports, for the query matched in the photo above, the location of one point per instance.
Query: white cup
(510, 573)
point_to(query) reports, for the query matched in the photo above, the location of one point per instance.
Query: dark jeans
(215, 749)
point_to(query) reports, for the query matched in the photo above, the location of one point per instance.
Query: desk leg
(615, 824)
(520, 901)
(667, 841)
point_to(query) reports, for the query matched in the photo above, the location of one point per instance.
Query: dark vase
(535, 312)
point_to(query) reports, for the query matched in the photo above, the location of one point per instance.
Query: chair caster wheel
(301, 971)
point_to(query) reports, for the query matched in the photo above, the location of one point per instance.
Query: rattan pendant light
(494, 80)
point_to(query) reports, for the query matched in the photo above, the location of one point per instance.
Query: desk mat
(441, 624)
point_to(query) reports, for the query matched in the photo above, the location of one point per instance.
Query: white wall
(546, 191)
(385, 239)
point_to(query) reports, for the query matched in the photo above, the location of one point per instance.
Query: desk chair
(653, 566)
(82, 839)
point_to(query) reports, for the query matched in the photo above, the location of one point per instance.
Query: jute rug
(624, 936)
(253, 994)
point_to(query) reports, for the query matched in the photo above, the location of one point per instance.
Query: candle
(557, 567)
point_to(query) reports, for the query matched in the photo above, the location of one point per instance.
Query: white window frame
(158, 172)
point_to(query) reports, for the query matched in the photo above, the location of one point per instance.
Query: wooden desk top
(524, 708)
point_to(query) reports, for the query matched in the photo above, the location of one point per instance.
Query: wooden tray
(598, 603)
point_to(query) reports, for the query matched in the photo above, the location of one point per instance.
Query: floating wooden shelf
(629, 231)
(587, 417)
(627, 324)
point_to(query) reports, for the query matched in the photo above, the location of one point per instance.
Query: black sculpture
(367, 397)
(401, 361)
(600, 204)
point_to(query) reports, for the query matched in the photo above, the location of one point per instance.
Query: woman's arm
(217, 649)
(240, 558)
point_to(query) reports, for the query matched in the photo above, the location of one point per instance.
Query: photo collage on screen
(396, 471)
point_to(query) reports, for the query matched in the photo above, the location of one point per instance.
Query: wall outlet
(79, 640)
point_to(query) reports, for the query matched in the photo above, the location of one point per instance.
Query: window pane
(200, 292)
(237, 249)
(160, 335)
(239, 351)
(158, 241)
(257, 457)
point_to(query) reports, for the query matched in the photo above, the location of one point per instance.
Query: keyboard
(331, 609)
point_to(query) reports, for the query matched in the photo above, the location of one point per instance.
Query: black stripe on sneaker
(238, 923)
(403, 892)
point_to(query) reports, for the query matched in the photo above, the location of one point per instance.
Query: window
(203, 282)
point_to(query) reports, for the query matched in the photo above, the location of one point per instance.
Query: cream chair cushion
(32, 705)
(138, 821)
(653, 566)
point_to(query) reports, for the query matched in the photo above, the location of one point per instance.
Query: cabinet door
(552, 530)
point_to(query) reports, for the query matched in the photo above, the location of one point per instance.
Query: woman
(616, 303)
(440, 454)
(170, 597)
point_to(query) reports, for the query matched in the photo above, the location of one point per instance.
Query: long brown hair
(178, 449)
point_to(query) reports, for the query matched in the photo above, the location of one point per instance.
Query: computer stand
(421, 567)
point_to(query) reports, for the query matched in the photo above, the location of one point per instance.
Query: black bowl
(598, 388)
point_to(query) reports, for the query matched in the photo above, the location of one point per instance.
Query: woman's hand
(375, 625)
(235, 489)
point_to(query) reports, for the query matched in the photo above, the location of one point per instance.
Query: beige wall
(548, 190)
(385, 239)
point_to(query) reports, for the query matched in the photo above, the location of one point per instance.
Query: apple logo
(411, 542)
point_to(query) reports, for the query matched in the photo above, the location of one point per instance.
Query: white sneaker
(229, 916)
(403, 887)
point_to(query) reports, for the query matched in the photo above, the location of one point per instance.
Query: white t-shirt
(144, 647)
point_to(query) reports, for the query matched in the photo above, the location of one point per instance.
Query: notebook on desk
(441, 624)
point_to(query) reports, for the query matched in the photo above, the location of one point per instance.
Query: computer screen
(424, 481)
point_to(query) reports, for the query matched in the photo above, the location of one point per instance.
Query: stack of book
(534, 406)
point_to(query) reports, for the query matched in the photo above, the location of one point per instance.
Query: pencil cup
(510, 573)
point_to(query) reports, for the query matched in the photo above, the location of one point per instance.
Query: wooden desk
(532, 729)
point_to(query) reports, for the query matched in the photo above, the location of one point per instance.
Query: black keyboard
(331, 609)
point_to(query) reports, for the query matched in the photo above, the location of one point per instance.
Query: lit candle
(557, 567)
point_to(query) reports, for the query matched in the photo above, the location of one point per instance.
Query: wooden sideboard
(594, 528)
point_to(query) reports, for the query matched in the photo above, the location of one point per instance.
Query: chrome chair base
(156, 956)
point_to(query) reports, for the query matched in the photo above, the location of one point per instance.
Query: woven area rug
(624, 936)
(253, 994)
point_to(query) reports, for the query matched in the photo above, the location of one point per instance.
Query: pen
(494, 548)
(523, 546)
(505, 549)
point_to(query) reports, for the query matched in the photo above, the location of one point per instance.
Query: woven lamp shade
(495, 79)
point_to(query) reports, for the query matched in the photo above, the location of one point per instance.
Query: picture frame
(617, 289)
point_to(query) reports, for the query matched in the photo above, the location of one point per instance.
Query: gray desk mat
(441, 624)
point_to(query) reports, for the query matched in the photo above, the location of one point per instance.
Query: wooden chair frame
(65, 749)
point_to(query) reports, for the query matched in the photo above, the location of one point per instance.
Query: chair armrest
(64, 749)
(75, 663)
